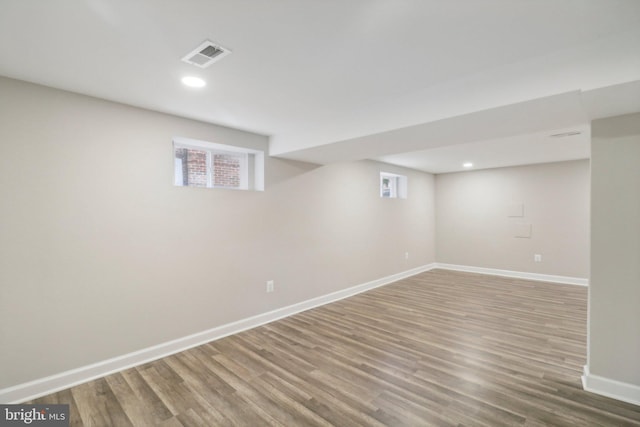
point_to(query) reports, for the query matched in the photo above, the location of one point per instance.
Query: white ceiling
(423, 83)
(523, 149)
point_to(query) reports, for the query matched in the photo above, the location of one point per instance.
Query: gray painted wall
(473, 226)
(614, 294)
(100, 255)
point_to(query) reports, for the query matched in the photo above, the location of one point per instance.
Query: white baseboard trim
(516, 274)
(51, 384)
(614, 389)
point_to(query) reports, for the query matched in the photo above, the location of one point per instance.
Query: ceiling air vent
(206, 54)
(565, 134)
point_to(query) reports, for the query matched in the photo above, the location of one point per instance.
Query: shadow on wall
(278, 171)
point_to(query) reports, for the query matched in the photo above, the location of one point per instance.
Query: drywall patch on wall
(522, 230)
(515, 210)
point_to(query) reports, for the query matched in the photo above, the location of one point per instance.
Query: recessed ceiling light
(192, 81)
(467, 165)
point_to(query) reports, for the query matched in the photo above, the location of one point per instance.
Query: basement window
(393, 186)
(211, 165)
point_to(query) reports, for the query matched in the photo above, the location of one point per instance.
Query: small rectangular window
(393, 186)
(211, 165)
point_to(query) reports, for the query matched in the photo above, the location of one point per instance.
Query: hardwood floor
(440, 348)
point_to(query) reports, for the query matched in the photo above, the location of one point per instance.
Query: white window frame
(251, 164)
(397, 187)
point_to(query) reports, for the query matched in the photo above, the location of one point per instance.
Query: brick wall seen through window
(208, 168)
(226, 170)
(214, 165)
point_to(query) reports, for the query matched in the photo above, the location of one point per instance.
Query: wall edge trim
(580, 281)
(608, 387)
(63, 380)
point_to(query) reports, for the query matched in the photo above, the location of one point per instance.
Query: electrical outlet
(406, 255)
(537, 257)
(270, 286)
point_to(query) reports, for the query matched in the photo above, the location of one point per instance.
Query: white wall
(614, 293)
(100, 255)
(473, 227)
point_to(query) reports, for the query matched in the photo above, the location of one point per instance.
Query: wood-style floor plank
(440, 348)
